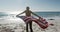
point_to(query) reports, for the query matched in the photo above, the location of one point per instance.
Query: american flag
(41, 22)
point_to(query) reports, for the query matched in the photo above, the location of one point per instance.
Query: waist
(28, 15)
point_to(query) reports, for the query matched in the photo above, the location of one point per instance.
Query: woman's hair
(27, 7)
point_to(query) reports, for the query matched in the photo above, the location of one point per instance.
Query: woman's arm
(35, 14)
(20, 13)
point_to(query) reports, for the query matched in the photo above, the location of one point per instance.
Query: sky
(35, 5)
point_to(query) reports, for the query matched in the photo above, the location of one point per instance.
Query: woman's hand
(40, 18)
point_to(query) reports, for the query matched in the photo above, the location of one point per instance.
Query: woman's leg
(31, 26)
(26, 27)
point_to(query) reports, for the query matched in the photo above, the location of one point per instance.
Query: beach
(14, 14)
(12, 25)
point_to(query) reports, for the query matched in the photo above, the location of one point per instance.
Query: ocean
(48, 14)
(42, 14)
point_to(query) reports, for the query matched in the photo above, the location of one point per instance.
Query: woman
(28, 14)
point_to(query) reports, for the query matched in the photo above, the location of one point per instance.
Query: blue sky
(35, 5)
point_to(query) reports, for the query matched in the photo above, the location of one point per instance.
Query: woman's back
(28, 13)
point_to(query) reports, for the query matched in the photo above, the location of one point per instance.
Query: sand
(19, 26)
